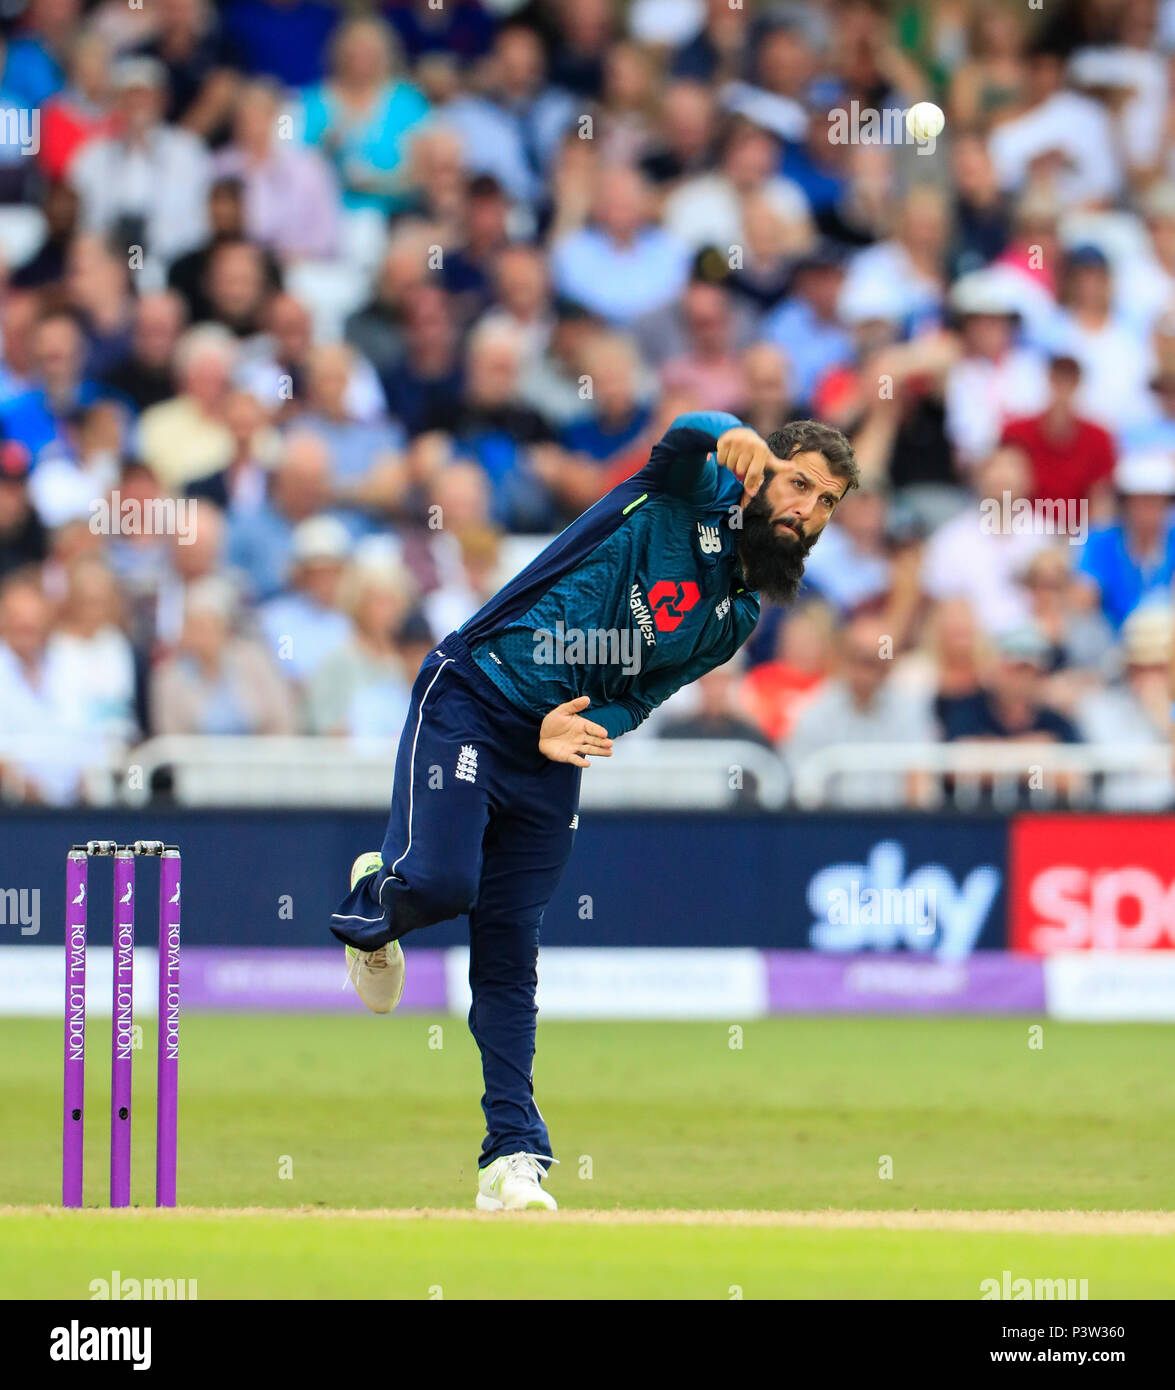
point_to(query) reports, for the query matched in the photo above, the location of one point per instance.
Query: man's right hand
(746, 454)
(566, 737)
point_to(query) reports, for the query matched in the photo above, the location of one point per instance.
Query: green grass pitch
(319, 1118)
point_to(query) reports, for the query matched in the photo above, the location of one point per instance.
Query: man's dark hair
(812, 437)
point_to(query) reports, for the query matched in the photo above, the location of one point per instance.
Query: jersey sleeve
(682, 462)
(623, 715)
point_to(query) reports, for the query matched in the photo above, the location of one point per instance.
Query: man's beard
(772, 563)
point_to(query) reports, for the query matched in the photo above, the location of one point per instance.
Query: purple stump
(122, 1029)
(167, 1109)
(73, 1123)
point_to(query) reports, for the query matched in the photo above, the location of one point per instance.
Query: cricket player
(661, 580)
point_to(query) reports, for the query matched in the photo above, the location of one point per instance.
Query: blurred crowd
(316, 321)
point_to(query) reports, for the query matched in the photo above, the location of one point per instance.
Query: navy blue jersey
(638, 597)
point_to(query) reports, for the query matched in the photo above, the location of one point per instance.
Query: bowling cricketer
(654, 585)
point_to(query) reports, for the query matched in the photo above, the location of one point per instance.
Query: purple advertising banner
(310, 979)
(985, 982)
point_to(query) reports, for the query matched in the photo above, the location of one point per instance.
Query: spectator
(276, 366)
(145, 186)
(430, 379)
(629, 104)
(39, 416)
(93, 653)
(1133, 558)
(619, 414)
(260, 541)
(237, 288)
(360, 451)
(1071, 458)
(910, 265)
(67, 482)
(188, 275)
(1157, 431)
(1011, 705)
(1136, 713)
(144, 376)
(304, 625)
(19, 315)
(457, 600)
(362, 689)
(256, 444)
(708, 209)
(994, 380)
(991, 83)
(1113, 359)
(1080, 641)
(555, 381)
(952, 662)
(195, 553)
(36, 60)
(81, 111)
(767, 403)
(687, 133)
(1145, 284)
(377, 329)
(623, 265)
(717, 714)
(807, 325)
(46, 268)
(862, 705)
(598, 441)
(976, 556)
(198, 59)
(982, 211)
(23, 539)
(492, 426)
(217, 683)
(361, 115)
(97, 290)
(512, 128)
(187, 437)
(522, 296)
(1058, 136)
(44, 748)
(291, 205)
(777, 691)
(483, 235)
(709, 368)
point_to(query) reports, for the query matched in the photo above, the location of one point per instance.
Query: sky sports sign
(1091, 884)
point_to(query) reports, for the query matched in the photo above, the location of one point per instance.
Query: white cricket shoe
(378, 976)
(514, 1183)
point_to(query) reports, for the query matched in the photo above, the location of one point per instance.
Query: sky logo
(878, 906)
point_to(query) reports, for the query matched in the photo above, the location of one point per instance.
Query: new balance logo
(709, 540)
(467, 764)
(574, 822)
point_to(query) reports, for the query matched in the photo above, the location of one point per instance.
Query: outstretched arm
(681, 462)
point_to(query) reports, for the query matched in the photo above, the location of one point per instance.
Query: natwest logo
(670, 601)
(1092, 883)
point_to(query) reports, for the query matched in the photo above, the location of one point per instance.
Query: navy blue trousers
(481, 823)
